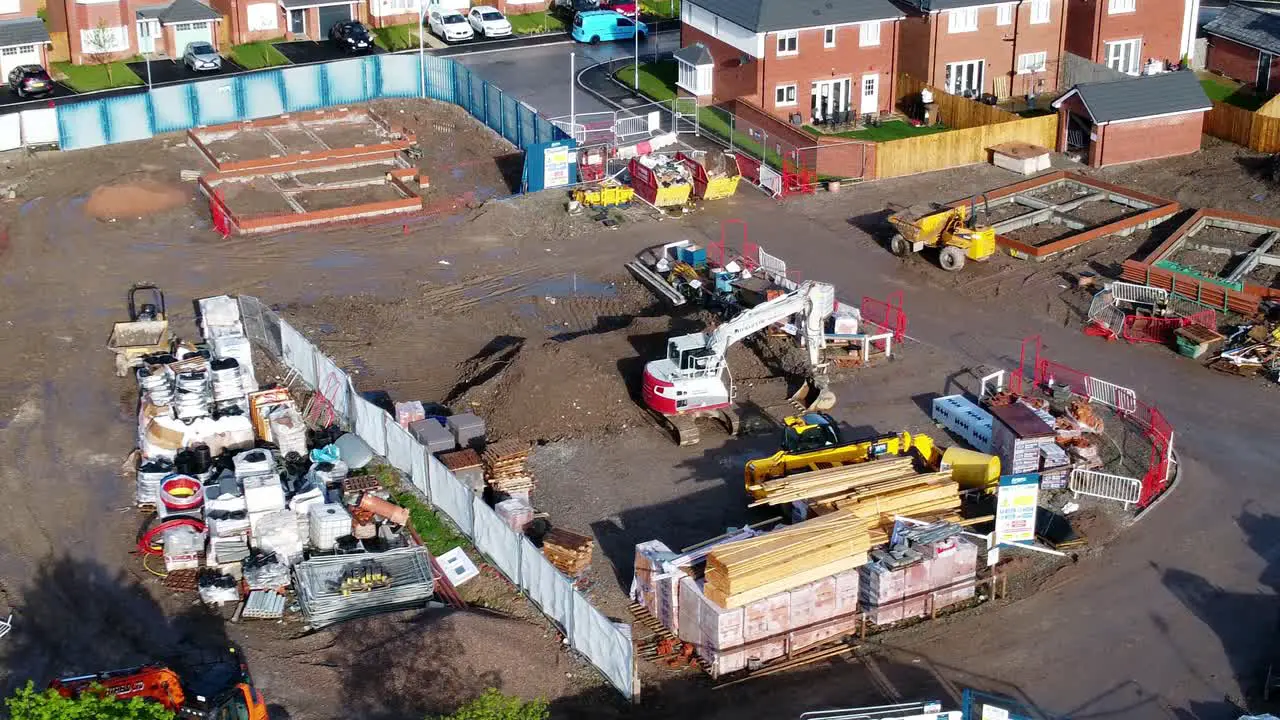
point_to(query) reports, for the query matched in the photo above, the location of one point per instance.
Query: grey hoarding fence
(606, 644)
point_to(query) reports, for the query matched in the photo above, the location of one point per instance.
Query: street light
(422, 55)
(635, 33)
(573, 112)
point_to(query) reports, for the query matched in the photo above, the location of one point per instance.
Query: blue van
(596, 25)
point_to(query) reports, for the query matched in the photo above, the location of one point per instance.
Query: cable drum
(181, 492)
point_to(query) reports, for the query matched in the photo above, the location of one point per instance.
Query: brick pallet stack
(945, 576)
(505, 468)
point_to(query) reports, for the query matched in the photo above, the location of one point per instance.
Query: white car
(489, 22)
(449, 25)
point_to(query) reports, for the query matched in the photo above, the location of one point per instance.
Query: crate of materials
(661, 181)
(467, 429)
(965, 419)
(326, 523)
(433, 436)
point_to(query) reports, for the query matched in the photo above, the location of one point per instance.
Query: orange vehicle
(219, 690)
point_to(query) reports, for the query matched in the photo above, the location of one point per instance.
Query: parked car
(351, 36)
(489, 22)
(449, 25)
(30, 81)
(592, 27)
(626, 8)
(569, 9)
(201, 56)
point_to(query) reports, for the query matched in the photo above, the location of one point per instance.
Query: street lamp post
(422, 56)
(573, 96)
(635, 33)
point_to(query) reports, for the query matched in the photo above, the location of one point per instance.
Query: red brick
(1239, 62)
(1157, 22)
(1147, 139)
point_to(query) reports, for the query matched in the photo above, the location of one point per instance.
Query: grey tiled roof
(928, 5)
(23, 31)
(769, 15)
(1140, 97)
(180, 11)
(1249, 26)
(695, 54)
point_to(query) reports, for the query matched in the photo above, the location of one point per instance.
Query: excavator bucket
(811, 398)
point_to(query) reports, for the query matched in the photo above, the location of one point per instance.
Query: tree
(493, 705)
(101, 46)
(27, 704)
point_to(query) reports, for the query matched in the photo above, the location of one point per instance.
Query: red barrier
(1060, 374)
(1205, 318)
(886, 314)
(1160, 433)
(1150, 329)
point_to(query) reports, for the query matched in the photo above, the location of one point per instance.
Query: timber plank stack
(569, 552)
(506, 467)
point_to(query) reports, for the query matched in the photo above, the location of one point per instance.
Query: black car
(30, 81)
(351, 36)
(568, 9)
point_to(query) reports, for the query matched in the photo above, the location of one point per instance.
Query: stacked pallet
(569, 552)
(505, 467)
(742, 572)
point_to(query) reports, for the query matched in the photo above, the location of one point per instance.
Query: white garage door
(185, 33)
(15, 55)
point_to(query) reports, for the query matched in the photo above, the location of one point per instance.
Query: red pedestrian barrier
(1138, 328)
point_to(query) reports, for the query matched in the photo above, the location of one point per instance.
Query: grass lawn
(437, 534)
(396, 37)
(891, 130)
(1221, 89)
(85, 78)
(256, 55)
(660, 8)
(535, 22)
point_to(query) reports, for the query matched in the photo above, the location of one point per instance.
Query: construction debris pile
(1251, 350)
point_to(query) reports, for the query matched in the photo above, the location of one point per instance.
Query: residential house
(1244, 45)
(24, 40)
(1138, 118)
(255, 20)
(980, 47)
(1133, 36)
(120, 29)
(801, 61)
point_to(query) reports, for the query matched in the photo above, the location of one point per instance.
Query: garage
(21, 42)
(186, 33)
(332, 15)
(15, 55)
(184, 22)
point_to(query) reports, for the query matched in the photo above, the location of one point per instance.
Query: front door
(1264, 72)
(148, 31)
(870, 95)
(298, 23)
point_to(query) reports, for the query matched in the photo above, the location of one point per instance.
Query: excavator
(219, 690)
(690, 382)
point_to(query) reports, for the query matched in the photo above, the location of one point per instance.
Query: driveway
(171, 71)
(8, 98)
(302, 52)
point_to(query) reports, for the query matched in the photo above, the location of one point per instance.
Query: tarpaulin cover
(298, 353)
(400, 446)
(606, 646)
(495, 539)
(370, 421)
(547, 588)
(450, 495)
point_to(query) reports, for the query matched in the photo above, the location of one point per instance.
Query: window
(965, 78)
(869, 34)
(829, 37)
(784, 95)
(180, 27)
(1124, 55)
(1004, 14)
(1039, 12)
(1032, 62)
(104, 40)
(788, 43)
(394, 7)
(1115, 7)
(263, 16)
(17, 50)
(10, 6)
(962, 20)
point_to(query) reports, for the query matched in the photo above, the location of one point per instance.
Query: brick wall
(732, 79)
(1234, 60)
(999, 46)
(1157, 22)
(511, 8)
(26, 9)
(815, 62)
(915, 46)
(1081, 20)
(782, 136)
(1147, 139)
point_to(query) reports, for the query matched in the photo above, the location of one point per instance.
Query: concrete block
(433, 436)
(467, 428)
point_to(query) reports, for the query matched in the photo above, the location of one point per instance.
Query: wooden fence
(1255, 130)
(955, 112)
(961, 147)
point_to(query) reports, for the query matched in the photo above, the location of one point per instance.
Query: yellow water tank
(971, 468)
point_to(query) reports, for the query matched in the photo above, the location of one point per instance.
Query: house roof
(1141, 97)
(770, 15)
(930, 5)
(298, 4)
(695, 54)
(180, 11)
(23, 31)
(1248, 26)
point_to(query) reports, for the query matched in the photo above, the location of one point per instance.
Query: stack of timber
(742, 572)
(505, 467)
(569, 552)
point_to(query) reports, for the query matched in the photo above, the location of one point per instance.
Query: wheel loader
(953, 230)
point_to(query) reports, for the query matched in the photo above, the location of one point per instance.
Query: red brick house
(24, 40)
(1244, 45)
(124, 28)
(802, 61)
(1133, 36)
(1138, 118)
(979, 47)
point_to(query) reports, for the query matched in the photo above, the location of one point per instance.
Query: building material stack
(944, 574)
(505, 468)
(569, 552)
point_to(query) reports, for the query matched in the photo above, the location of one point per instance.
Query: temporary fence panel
(10, 131)
(547, 587)
(1120, 398)
(1150, 329)
(770, 180)
(401, 447)
(1140, 294)
(418, 471)
(886, 314)
(370, 423)
(299, 354)
(772, 262)
(451, 496)
(1106, 486)
(1052, 373)
(604, 644)
(495, 539)
(334, 385)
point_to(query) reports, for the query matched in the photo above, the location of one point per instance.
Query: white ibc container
(328, 523)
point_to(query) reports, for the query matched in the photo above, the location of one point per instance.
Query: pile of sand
(134, 199)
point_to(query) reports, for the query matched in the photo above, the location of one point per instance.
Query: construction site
(741, 447)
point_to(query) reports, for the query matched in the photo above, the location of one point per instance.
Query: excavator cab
(808, 432)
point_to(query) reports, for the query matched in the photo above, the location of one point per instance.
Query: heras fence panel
(10, 131)
(441, 74)
(39, 126)
(217, 102)
(348, 81)
(495, 539)
(299, 354)
(547, 587)
(370, 422)
(451, 496)
(401, 446)
(604, 644)
(493, 107)
(128, 118)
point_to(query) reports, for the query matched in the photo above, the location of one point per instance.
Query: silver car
(201, 56)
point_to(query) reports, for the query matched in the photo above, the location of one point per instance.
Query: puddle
(568, 286)
(29, 205)
(337, 261)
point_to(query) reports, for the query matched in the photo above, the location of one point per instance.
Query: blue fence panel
(493, 107)
(476, 92)
(260, 93)
(171, 109)
(216, 102)
(81, 125)
(128, 117)
(304, 88)
(528, 127)
(441, 74)
(347, 82)
(511, 120)
(400, 75)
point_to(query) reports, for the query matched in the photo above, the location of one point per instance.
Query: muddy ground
(479, 306)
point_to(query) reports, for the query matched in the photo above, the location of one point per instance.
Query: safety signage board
(1016, 500)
